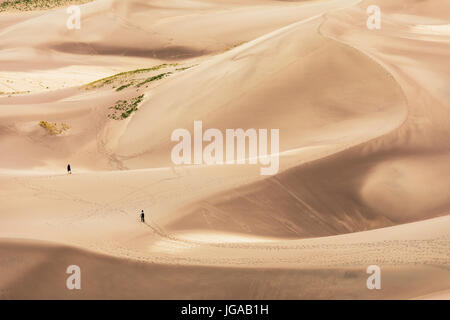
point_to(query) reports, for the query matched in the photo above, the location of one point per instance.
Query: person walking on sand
(142, 216)
(69, 170)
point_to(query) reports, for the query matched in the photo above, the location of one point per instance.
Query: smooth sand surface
(364, 175)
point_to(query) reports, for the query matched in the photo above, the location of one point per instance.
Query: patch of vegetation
(154, 78)
(124, 86)
(185, 68)
(124, 75)
(136, 78)
(53, 128)
(123, 109)
(29, 5)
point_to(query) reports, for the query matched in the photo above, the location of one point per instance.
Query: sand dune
(364, 152)
(303, 269)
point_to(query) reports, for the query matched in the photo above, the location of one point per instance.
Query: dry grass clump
(53, 128)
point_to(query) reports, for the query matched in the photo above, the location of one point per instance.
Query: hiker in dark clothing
(69, 170)
(142, 216)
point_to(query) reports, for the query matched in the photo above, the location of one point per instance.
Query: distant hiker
(69, 170)
(142, 216)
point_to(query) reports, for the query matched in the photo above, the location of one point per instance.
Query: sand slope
(364, 177)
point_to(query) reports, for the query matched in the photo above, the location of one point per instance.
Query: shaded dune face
(399, 177)
(321, 198)
(386, 181)
(166, 53)
(317, 199)
(349, 192)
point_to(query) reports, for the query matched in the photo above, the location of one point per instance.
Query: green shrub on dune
(154, 78)
(123, 108)
(124, 76)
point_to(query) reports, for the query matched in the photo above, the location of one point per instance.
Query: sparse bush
(123, 109)
(65, 126)
(154, 78)
(124, 86)
(53, 128)
(185, 68)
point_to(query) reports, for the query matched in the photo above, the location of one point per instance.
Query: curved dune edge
(418, 142)
(213, 211)
(303, 215)
(388, 192)
(41, 265)
(440, 295)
